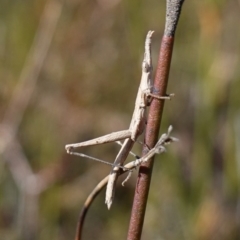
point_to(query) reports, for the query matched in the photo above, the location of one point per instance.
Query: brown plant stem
(154, 119)
(87, 205)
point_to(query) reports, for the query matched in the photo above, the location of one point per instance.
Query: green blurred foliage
(87, 87)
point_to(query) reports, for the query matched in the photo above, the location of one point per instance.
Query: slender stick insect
(137, 124)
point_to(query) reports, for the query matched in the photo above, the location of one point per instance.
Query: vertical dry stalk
(154, 119)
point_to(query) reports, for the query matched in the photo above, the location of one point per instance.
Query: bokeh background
(70, 71)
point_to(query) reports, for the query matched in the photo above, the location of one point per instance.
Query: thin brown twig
(154, 119)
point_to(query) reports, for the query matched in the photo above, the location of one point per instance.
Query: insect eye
(145, 67)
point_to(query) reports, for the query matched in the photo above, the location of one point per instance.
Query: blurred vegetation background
(70, 71)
